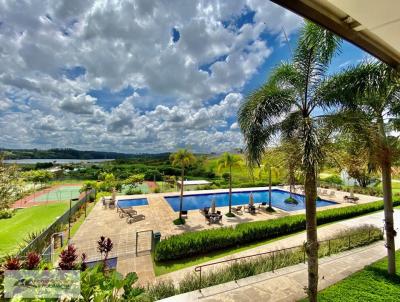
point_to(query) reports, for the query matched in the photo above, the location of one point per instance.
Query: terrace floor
(158, 216)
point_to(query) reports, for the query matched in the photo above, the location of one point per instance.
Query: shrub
(291, 200)
(32, 260)
(68, 258)
(202, 242)
(226, 176)
(133, 191)
(160, 290)
(179, 221)
(6, 213)
(334, 179)
(13, 264)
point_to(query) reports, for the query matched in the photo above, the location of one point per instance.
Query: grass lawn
(76, 225)
(25, 221)
(370, 284)
(395, 187)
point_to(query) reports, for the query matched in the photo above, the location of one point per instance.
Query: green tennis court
(59, 194)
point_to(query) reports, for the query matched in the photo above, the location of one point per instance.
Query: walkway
(287, 284)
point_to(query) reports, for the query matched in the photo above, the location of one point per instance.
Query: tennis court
(57, 194)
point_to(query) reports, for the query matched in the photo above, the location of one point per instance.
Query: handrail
(198, 269)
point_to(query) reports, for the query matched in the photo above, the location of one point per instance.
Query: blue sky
(138, 76)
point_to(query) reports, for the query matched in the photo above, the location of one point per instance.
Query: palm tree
(370, 92)
(229, 160)
(285, 105)
(183, 159)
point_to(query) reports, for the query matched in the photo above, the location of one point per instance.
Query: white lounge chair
(324, 192)
(332, 194)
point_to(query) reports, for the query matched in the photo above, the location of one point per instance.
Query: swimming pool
(199, 201)
(126, 203)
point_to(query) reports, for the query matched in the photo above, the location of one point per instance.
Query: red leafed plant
(68, 258)
(104, 246)
(32, 260)
(83, 262)
(12, 263)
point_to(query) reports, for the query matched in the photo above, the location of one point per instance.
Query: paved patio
(158, 216)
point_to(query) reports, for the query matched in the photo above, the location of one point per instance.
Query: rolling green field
(25, 221)
(239, 173)
(370, 284)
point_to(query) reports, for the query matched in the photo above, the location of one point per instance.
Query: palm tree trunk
(386, 166)
(388, 209)
(310, 186)
(181, 201)
(230, 189)
(270, 187)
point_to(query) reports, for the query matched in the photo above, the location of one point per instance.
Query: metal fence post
(329, 247)
(136, 243)
(273, 261)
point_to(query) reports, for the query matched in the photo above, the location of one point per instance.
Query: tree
(370, 93)
(182, 159)
(134, 180)
(229, 161)
(358, 162)
(10, 184)
(285, 105)
(272, 164)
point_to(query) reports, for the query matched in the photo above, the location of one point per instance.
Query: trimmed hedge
(202, 242)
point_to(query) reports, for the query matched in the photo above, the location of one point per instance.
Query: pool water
(199, 201)
(126, 203)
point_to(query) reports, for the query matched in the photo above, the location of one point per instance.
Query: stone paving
(158, 216)
(287, 284)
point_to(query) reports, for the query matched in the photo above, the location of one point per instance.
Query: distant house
(192, 184)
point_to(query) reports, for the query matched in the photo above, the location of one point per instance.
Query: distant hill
(70, 154)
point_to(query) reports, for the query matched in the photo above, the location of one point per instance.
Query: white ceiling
(380, 17)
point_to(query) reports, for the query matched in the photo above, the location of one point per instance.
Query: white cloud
(187, 93)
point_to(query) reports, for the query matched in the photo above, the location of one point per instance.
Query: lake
(57, 161)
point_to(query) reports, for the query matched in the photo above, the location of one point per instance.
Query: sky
(140, 76)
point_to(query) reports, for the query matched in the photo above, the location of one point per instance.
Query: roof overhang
(372, 25)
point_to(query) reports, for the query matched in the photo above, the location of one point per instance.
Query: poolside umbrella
(114, 195)
(213, 205)
(352, 192)
(251, 200)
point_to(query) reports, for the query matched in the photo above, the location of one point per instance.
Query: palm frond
(259, 118)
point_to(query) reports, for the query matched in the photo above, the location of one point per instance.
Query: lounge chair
(184, 213)
(125, 212)
(332, 194)
(324, 192)
(205, 210)
(134, 217)
(237, 209)
(111, 203)
(263, 204)
(216, 218)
